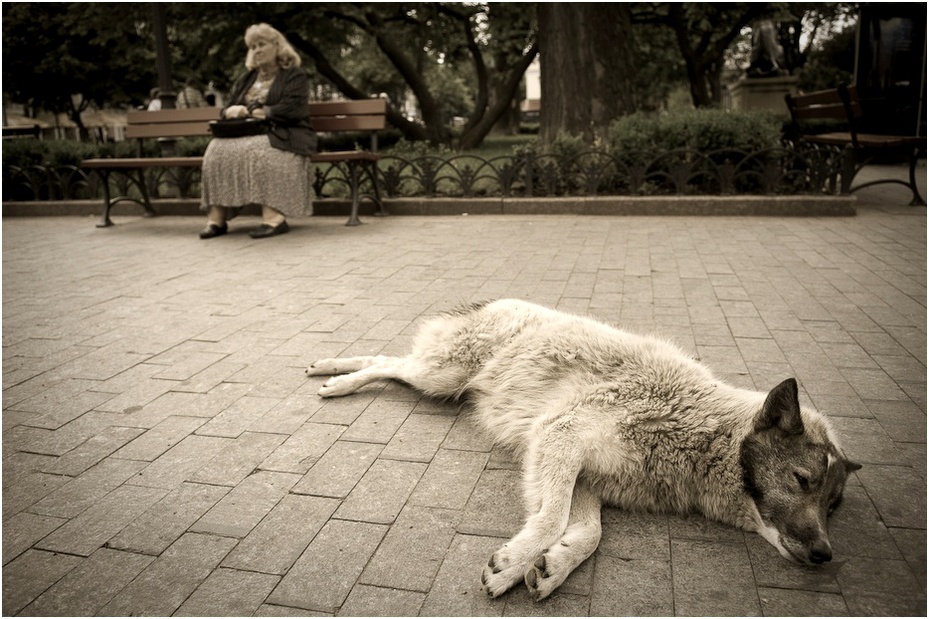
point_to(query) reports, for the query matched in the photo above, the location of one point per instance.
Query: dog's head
(795, 473)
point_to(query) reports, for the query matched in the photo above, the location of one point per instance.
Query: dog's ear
(781, 409)
(851, 467)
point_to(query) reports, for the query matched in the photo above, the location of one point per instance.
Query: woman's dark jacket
(287, 108)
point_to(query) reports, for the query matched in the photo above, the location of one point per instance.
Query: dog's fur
(602, 415)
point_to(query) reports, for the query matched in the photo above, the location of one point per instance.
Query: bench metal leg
(146, 203)
(371, 168)
(354, 177)
(917, 199)
(108, 200)
(105, 221)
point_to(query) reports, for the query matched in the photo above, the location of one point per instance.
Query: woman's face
(264, 52)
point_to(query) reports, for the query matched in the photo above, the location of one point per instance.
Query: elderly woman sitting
(272, 169)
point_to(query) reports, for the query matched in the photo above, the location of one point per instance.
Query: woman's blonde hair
(287, 56)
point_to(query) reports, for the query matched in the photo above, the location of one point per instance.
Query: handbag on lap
(238, 127)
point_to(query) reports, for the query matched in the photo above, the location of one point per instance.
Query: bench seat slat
(136, 162)
(345, 155)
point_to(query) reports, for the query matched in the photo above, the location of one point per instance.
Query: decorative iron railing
(789, 170)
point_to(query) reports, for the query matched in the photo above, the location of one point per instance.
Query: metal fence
(789, 170)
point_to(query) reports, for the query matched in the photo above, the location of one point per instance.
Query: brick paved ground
(163, 452)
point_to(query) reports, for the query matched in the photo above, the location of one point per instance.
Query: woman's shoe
(213, 230)
(266, 230)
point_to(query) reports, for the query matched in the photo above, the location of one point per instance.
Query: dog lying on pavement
(599, 415)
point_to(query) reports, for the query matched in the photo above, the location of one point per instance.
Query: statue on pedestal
(767, 54)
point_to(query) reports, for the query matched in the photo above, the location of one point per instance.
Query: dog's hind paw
(336, 386)
(323, 367)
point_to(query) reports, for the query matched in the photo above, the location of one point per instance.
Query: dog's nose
(821, 552)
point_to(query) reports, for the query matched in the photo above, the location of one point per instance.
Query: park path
(164, 453)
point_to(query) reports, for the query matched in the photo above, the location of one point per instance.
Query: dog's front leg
(580, 540)
(552, 463)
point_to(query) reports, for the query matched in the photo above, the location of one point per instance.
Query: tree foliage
(105, 58)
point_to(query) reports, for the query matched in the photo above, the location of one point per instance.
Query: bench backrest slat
(838, 103)
(325, 116)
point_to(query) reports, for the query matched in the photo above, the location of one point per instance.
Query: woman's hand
(236, 111)
(259, 113)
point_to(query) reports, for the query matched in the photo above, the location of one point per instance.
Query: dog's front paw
(501, 573)
(323, 367)
(539, 582)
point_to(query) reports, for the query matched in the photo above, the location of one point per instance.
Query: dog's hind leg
(552, 464)
(370, 369)
(580, 540)
(344, 365)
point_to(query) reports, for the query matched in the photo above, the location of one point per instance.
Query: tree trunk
(587, 64)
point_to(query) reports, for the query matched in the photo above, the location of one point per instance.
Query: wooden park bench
(842, 104)
(31, 131)
(325, 117)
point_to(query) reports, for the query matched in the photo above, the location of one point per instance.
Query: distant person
(154, 103)
(272, 170)
(190, 96)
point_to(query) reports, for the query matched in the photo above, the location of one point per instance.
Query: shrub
(702, 130)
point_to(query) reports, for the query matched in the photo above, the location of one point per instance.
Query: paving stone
(28, 576)
(418, 438)
(495, 507)
(367, 601)
(912, 545)
(337, 472)
(413, 549)
(303, 448)
(170, 579)
(270, 610)
(73, 434)
(85, 533)
(325, 574)
(89, 586)
(856, 528)
(280, 538)
(26, 489)
(22, 530)
(379, 422)
(168, 519)
(898, 493)
(233, 421)
(794, 603)
(245, 506)
(88, 488)
(237, 462)
(466, 435)
(288, 415)
(159, 439)
(712, 578)
(632, 587)
(229, 593)
(180, 462)
(457, 590)
(450, 479)
(629, 535)
(876, 586)
(382, 492)
(95, 449)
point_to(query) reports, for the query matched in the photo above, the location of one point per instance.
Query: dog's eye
(803, 481)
